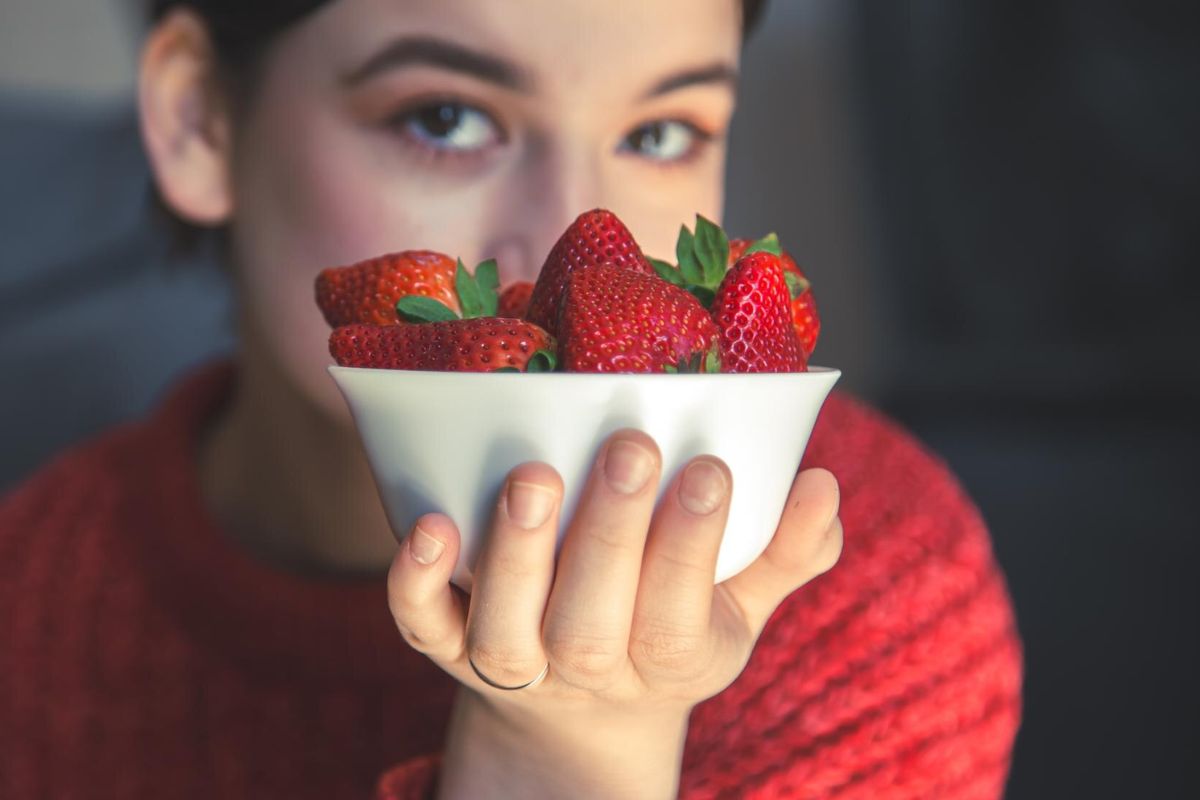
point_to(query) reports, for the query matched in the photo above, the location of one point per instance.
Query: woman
(202, 595)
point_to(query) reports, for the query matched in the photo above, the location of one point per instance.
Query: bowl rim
(813, 371)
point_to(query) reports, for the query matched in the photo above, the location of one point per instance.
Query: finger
(806, 544)
(675, 594)
(591, 605)
(513, 577)
(430, 615)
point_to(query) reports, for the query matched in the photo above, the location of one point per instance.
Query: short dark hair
(240, 29)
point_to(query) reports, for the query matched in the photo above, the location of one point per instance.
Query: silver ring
(495, 685)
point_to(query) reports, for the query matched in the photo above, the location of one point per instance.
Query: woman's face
(472, 127)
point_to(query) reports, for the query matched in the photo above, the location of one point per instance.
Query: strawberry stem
(542, 361)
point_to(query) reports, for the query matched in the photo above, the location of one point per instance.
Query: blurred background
(999, 204)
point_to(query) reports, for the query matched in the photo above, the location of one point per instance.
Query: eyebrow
(717, 73)
(435, 52)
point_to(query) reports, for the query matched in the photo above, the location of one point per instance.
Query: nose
(551, 186)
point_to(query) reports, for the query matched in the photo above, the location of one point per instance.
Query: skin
(339, 150)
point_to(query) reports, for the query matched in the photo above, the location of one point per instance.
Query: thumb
(807, 543)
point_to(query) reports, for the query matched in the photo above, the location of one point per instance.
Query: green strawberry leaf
(542, 361)
(487, 279)
(703, 294)
(692, 365)
(417, 308)
(712, 360)
(685, 254)
(470, 296)
(712, 251)
(667, 271)
(767, 244)
(796, 285)
(468, 292)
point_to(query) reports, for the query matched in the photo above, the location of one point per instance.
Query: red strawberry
(595, 237)
(368, 291)
(804, 305)
(614, 319)
(514, 300)
(752, 310)
(480, 344)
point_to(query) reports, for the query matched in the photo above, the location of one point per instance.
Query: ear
(185, 119)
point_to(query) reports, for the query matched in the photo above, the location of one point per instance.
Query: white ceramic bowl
(444, 441)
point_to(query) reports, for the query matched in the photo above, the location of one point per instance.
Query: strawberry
(614, 319)
(368, 291)
(804, 305)
(481, 344)
(595, 237)
(752, 309)
(514, 300)
(705, 256)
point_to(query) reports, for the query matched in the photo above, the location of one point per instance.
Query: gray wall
(76, 48)
(795, 167)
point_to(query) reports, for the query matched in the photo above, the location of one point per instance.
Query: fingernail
(627, 466)
(702, 488)
(424, 548)
(528, 504)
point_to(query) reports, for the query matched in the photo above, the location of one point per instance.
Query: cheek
(304, 201)
(659, 200)
(315, 190)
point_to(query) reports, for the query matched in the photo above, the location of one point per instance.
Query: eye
(450, 126)
(664, 140)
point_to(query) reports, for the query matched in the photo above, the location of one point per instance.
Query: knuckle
(502, 663)
(586, 657)
(685, 567)
(669, 649)
(413, 640)
(613, 538)
(507, 565)
(425, 643)
(785, 561)
(815, 554)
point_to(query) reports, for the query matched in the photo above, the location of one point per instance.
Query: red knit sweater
(143, 655)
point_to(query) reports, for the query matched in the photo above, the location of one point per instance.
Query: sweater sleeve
(415, 779)
(895, 675)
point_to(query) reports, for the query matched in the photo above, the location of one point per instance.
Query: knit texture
(145, 655)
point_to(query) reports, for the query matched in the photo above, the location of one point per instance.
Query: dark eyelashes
(428, 126)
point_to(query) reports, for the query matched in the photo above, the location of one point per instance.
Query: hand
(633, 629)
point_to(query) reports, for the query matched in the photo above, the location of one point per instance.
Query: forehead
(562, 46)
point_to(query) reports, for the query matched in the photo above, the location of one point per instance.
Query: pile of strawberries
(599, 305)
